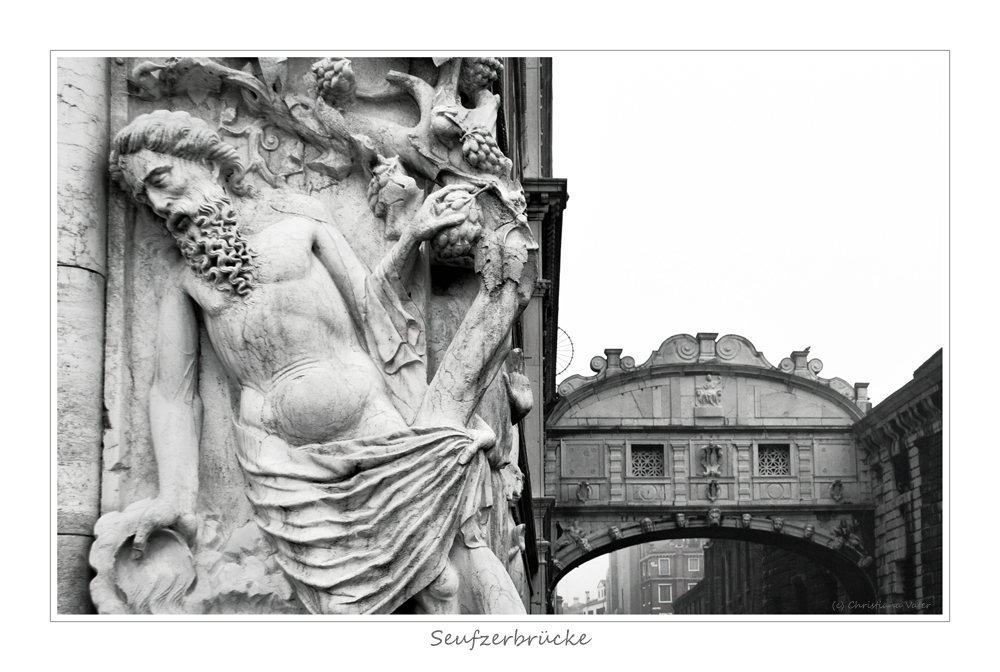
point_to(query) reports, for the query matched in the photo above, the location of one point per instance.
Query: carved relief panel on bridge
(582, 471)
(712, 460)
(836, 471)
(708, 397)
(712, 470)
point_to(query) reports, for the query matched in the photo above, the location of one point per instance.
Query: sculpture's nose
(160, 206)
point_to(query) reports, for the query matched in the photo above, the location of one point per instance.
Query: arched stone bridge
(709, 439)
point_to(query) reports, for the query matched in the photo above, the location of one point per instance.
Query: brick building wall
(902, 437)
(668, 569)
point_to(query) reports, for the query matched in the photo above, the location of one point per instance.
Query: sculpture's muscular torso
(292, 346)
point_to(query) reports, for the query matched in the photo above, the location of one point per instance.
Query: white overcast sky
(799, 199)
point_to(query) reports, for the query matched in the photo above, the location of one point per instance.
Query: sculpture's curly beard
(215, 248)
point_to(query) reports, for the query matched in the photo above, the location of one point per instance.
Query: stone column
(82, 138)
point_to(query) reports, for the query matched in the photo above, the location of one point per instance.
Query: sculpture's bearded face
(173, 187)
(197, 212)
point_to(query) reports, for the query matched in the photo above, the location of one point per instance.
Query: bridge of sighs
(709, 439)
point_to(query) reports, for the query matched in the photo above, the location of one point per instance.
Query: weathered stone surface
(79, 346)
(73, 574)
(82, 141)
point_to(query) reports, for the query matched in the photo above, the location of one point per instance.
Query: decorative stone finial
(706, 346)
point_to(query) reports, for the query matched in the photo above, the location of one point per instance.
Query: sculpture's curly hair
(177, 134)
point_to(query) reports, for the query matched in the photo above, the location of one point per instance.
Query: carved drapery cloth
(394, 333)
(363, 525)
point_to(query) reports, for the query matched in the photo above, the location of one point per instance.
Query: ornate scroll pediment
(731, 350)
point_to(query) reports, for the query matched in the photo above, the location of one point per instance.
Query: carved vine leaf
(513, 264)
(489, 260)
(257, 138)
(498, 259)
(200, 85)
(293, 114)
(274, 72)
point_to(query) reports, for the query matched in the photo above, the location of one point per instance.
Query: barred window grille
(647, 461)
(773, 459)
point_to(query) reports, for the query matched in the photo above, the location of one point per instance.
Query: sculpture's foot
(485, 587)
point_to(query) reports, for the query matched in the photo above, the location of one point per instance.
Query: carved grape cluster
(482, 152)
(335, 80)
(478, 73)
(381, 175)
(457, 241)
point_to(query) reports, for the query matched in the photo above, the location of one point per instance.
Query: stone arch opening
(854, 577)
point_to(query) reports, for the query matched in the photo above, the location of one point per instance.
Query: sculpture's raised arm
(348, 271)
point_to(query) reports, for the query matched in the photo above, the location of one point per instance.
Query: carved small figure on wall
(646, 524)
(574, 535)
(709, 394)
(837, 490)
(746, 519)
(808, 532)
(714, 517)
(680, 520)
(845, 534)
(778, 523)
(335, 415)
(712, 490)
(614, 533)
(583, 491)
(711, 460)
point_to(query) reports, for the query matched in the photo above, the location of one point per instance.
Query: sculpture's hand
(434, 215)
(483, 438)
(162, 513)
(518, 386)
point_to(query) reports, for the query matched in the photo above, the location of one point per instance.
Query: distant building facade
(653, 575)
(747, 578)
(589, 607)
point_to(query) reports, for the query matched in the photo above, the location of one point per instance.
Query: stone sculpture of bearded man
(368, 507)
